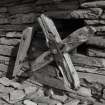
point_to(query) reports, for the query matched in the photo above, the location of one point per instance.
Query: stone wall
(16, 15)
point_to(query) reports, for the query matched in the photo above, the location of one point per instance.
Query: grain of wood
(23, 49)
(48, 26)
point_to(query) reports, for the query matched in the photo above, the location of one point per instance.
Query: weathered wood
(88, 61)
(63, 60)
(23, 49)
(94, 4)
(71, 42)
(96, 52)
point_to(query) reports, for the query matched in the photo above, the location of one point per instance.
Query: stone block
(97, 3)
(16, 95)
(92, 13)
(96, 53)
(23, 8)
(91, 77)
(14, 34)
(73, 102)
(103, 16)
(3, 9)
(8, 50)
(23, 18)
(79, 59)
(4, 21)
(9, 28)
(95, 22)
(11, 42)
(97, 41)
(4, 81)
(100, 28)
(30, 89)
(84, 91)
(3, 68)
(28, 102)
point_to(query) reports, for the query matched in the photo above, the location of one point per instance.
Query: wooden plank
(71, 42)
(23, 49)
(66, 66)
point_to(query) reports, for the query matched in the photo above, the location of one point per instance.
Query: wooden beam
(23, 49)
(63, 60)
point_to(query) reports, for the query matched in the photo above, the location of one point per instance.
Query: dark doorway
(67, 26)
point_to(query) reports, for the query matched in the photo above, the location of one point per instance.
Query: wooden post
(23, 49)
(63, 60)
